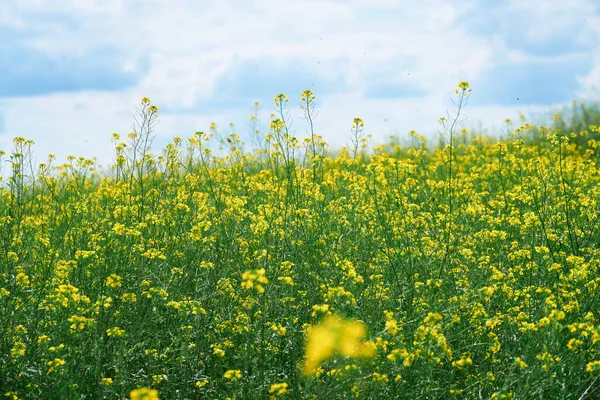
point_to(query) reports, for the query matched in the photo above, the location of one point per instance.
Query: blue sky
(73, 70)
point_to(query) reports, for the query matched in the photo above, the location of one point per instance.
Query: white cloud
(191, 45)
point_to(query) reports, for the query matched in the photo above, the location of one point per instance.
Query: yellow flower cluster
(143, 394)
(232, 375)
(255, 279)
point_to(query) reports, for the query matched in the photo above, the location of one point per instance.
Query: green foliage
(471, 270)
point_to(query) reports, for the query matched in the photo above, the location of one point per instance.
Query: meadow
(468, 270)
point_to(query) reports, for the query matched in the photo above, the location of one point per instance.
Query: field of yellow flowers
(470, 271)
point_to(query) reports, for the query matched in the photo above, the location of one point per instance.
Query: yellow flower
(54, 364)
(55, 349)
(278, 389)
(12, 256)
(391, 325)
(253, 279)
(287, 280)
(377, 377)
(281, 331)
(502, 396)
(128, 297)
(574, 344)
(20, 329)
(113, 280)
(202, 383)
(22, 279)
(106, 381)
(320, 308)
(43, 339)
(593, 366)
(219, 352)
(116, 331)
(233, 375)
(18, 350)
(520, 363)
(4, 293)
(143, 394)
(335, 335)
(464, 362)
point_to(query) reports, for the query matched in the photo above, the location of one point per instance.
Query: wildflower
(278, 389)
(520, 363)
(463, 86)
(43, 339)
(116, 331)
(232, 375)
(254, 279)
(357, 123)
(113, 280)
(22, 279)
(217, 351)
(54, 364)
(56, 349)
(79, 322)
(320, 308)
(574, 344)
(11, 255)
(280, 329)
(502, 396)
(143, 394)
(202, 383)
(394, 354)
(18, 350)
(106, 381)
(128, 297)
(377, 377)
(334, 335)
(464, 362)
(593, 366)
(20, 330)
(287, 280)
(391, 325)
(280, 99)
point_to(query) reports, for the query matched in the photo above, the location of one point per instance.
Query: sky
(72, 71)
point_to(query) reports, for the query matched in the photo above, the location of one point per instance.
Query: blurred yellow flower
(143, 394)
(335, 335)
